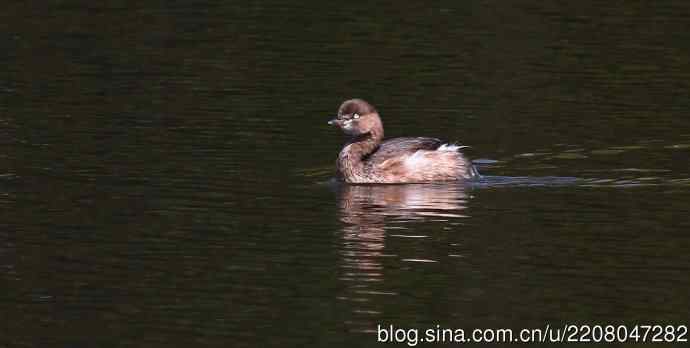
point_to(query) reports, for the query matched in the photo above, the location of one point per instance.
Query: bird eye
(355, 116)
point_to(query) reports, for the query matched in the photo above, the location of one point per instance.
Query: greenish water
(167, 173)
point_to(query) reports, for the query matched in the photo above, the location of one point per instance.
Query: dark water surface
(166, 173)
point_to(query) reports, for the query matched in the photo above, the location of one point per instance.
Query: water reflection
(371, 205)
(370, 214)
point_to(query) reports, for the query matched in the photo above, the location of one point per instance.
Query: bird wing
(400, 146)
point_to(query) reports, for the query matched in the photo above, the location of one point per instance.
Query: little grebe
(365, 159)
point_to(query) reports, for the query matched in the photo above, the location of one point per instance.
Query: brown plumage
(367, 159)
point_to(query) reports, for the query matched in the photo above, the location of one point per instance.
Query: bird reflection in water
(369, 214)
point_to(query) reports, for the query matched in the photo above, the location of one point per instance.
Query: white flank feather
(450, 147)
(416, 159)
(419, 159)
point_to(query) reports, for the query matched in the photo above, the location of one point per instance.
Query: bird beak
(333, 122)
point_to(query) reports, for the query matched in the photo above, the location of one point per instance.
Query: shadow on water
(490, 181)
(496, 181)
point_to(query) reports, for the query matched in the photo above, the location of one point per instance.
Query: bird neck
(351, 158)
